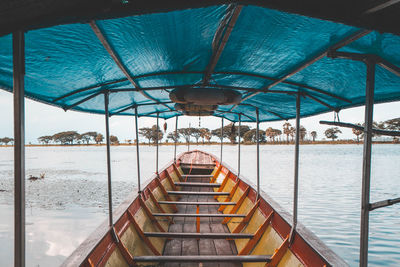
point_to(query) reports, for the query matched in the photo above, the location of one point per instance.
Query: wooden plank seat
(197, 175)
(198, 164)
(196, 203)
(205, 258)
(198, 235)
(194, 193)
(197, 184)
(198, 215)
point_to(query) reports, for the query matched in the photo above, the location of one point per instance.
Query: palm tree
(314, 135)
(303, 132)
(357, 132)
(292, 132)
(287, 130)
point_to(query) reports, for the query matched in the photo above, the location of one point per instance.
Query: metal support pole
(157, 135)
(188, 143)
(137, 150)
(296, 168)
(107, 115)
(240, 126)
(222, 136)
(19, 147)
(176, 137)
(258, 152)
(366, 172)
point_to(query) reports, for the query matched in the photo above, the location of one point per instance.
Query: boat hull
(221, 220)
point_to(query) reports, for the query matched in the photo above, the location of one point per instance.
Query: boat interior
(197, 212)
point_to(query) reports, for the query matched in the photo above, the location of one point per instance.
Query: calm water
(70, 202)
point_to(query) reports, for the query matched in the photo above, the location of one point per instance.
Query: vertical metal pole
(157, 135)
(240, 126)
(176, 137)
(296, 168)
(19, 147)
(222, 136)
(107, 115)
(258, 152)
(366, 172)
(188, 144)
(137, 151)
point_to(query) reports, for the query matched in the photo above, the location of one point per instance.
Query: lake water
(71, 201)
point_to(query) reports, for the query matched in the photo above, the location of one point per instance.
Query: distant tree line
(248, 134)
(73, 137)
(230, 132)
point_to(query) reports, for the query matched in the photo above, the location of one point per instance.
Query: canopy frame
(345, 41)
(117, 60)
(299, 85)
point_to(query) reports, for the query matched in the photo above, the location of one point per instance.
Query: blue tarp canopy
(70, 66)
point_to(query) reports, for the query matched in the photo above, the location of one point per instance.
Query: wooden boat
(198, 210)
(146, 59)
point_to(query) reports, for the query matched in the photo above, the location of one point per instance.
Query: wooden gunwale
(101, 239)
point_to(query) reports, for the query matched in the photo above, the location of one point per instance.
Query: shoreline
(339, 142)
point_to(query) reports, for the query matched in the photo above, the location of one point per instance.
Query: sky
(42, 119)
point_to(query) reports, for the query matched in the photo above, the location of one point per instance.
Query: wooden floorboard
(176, 247)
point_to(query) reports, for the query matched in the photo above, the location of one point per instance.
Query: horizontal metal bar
(88, 88)
(196, 203)
(265, 110)
(204, 258)
(199, 164)
(83, 100)
(198, 184)
(384, 203)
(198, 193)
(227, 111)
(199, 235)
(322, 102)
(133, 105)
(198, 175)
(199, 215)
(361, 128)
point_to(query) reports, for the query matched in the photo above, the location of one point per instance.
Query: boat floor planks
(101, 249)
(177, 247)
